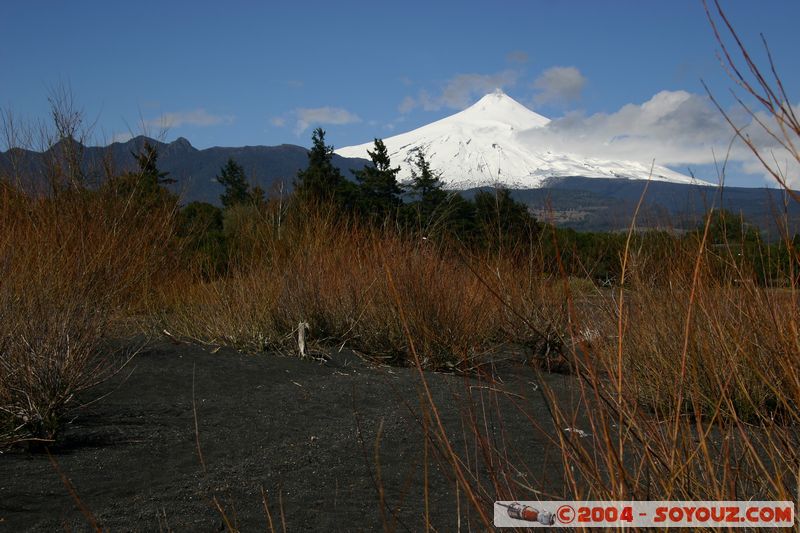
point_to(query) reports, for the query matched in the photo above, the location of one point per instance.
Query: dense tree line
(422, 206)
(491, 221)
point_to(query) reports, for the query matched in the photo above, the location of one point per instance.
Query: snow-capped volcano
(482, 145)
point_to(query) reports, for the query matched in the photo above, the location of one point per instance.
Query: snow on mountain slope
(481, 146)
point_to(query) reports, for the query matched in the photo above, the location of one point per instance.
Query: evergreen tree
(201, 232)
(426, 189)
(258, 196)
(321, 181)
(150, 176)
(233, 178)
(729, 228)
(501, 220)
(148, 183)
(379, 193)
(433, 209)
(459, 215)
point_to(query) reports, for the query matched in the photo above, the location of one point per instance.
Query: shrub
(72, 268)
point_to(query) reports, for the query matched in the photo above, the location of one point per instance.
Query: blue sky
(246, 73)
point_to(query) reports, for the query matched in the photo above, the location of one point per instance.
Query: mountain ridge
(596, 204)
(194, 169)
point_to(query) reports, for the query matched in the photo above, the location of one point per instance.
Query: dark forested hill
(596, 204)
(194, 170)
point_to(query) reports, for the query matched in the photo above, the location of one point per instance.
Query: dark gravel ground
(304, 431)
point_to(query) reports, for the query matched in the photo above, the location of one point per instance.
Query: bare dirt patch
(303, 430)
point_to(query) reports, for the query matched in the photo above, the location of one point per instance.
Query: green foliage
(735, 247)
(247, 229)
(426, 187)
(378, 191)
(233, 178)
(200, 228)
(502, 221)
(149, 173)
(428, 205)
(495, 221)
(726, 227)
(147, 185)
(459, 220)
(321, 182)
(582, 254)
(258, 197)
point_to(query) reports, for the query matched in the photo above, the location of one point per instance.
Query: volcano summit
(483, 145)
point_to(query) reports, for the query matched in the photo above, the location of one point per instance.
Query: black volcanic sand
(302, 428)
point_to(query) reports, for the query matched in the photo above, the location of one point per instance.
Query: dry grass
(332, 274)
(684, 391)
(697, 397)
(740, 344)
(688, 386)
(71, 268)
(694, 400)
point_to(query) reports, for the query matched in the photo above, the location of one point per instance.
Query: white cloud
(121, 137)
(278, 122)
(307, 117)
(676, 128)
(777, 156)
(407, 104)
(460, 91)
(559, 84)
(198, 117)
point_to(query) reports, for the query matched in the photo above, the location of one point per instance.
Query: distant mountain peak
(482, 146)
(498, 107)
(182, 143)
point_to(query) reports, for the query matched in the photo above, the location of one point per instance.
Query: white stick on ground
(301, 338)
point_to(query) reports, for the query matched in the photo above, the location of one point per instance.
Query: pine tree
(150, 176)
(233, 178)
(426, 189)
(501, 220)
(727, 227)
(379, 193)
(200, 229)
(148, 183)
(321, 181)
(258, 196)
